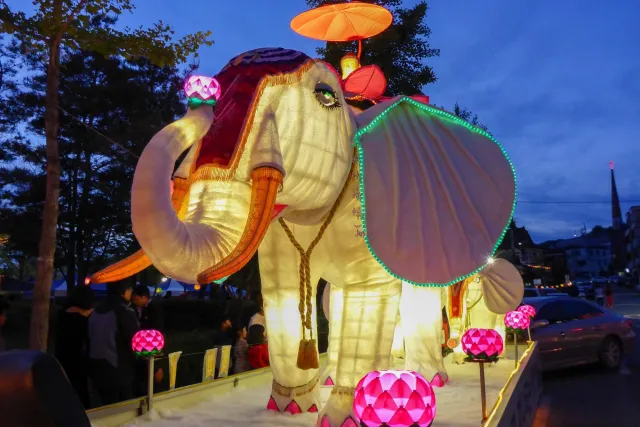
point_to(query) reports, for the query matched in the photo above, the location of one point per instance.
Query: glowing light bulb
(164, 279)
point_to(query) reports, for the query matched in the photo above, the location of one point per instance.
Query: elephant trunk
(224, 227)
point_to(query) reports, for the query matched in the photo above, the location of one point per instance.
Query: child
(257, 339)
(241, 352)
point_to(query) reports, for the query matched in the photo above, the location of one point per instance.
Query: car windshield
(567, 310)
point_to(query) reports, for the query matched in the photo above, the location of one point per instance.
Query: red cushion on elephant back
(239, 80)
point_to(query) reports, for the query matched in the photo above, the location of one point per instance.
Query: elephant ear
(437, 193)
(502, 286)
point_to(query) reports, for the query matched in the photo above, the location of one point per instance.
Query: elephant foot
(295, 400)
(338, 412)
(327, 378)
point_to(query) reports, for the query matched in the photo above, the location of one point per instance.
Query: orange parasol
(342, 22)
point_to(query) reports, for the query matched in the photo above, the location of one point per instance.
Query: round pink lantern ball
(516, 320)
(528, 310)
(394, 399)
(482, 345)
(147, 342)
(202, 87)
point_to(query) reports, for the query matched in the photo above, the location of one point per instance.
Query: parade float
(393, 205)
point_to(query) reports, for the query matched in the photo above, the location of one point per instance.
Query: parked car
(572, 332)
(541, 292)
(585, 287)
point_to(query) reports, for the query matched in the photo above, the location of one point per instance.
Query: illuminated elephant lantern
(323, 191)
(481, 301)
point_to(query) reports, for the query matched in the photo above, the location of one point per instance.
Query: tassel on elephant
(286, 166)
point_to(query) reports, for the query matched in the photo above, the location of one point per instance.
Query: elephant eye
(326, 96)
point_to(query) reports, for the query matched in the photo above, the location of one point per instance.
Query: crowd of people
(93, 342)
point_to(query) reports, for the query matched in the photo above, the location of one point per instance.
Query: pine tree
(400, 51)
(57, 25)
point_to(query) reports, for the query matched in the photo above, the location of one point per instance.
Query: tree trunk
(46, 251)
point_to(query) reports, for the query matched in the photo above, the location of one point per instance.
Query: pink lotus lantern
(202, 90)
(528, 310)
(147, 342)
(394, 399)
(516, 320)
(482, 345)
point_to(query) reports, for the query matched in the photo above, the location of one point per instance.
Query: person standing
(609, 296)
(257, 337)
(241, 352)
(72, 340)
(600, 295)
(150, 316)
(112, 362)
(4, 308)
(149, 312)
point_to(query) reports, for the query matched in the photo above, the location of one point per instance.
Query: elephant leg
(421, 309)
(368, 323)
(294, 390)
(397, 347)
(335, 326)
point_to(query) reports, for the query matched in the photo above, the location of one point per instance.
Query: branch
(72, 16)
(15, 22)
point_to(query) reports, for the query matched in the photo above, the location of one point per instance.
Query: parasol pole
(359, 48)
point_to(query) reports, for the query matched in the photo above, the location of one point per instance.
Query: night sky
(556, 82)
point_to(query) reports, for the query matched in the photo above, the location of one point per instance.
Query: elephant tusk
(137, 262)
(266, 182)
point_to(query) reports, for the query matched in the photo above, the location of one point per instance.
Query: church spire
(616, 213)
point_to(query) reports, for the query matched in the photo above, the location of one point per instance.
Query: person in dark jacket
(112, 326)
(72, 340)
(150, 316)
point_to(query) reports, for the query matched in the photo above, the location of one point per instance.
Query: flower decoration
(147, 342)
(482, 345)
(528, 310)
(202, 90)
(394, 399)
(516, 321)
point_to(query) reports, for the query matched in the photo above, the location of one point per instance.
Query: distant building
(518, 247)
(589, 254)
(617, 236)
(632, 240)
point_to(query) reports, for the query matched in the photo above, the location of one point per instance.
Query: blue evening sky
(557, 82)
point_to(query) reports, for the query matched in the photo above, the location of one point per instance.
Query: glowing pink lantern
(516, 320)
(482, 344)
(394, 399)
(202, 87)
(147, 342)
(528, 310)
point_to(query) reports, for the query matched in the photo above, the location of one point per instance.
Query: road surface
(589, 397)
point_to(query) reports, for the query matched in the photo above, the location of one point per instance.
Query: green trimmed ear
(437, 193)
